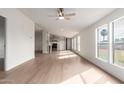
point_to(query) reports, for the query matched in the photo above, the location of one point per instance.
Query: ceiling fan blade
(61, 9)
(71, 14)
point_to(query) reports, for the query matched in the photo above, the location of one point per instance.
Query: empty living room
(61, 46)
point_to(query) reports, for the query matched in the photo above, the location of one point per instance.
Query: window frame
(72, 44)
(97, 48)
(110, 45)
(78, 43)
(113, 50)
(75, 43)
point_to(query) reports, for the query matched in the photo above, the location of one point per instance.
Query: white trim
(113, 61)
(96, 48)
(110, 43)
(118, 66)
(102, 60)
(118, 19)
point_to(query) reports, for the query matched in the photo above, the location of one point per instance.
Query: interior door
(2, 43)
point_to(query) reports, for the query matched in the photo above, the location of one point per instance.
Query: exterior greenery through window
(102, 42)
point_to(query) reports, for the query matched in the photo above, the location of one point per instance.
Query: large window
(118, 42)
(75, 43)
(78, 43)
(102, 42)
(110, 42)
(72, 43)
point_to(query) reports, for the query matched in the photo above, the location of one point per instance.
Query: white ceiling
(68, 28)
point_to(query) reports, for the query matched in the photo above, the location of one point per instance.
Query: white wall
(19, 37)
(38, 41)
(45, 42)
(88, 45)
(62, 44)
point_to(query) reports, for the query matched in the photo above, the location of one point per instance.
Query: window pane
(102, 42)
(118, 44)
(78, 42)
(74, 43)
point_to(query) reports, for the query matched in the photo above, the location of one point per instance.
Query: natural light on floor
(65, 53)
(90, 76)
(67, 56)
(73, 80)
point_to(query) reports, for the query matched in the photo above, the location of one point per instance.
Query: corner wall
(87, 37)
(19, 37)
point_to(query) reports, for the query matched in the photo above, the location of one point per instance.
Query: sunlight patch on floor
(67, 56)
(65, 53)
(74, 80)
(108, 82)
(91, 75)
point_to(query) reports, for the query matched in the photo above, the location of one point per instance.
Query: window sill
(102, 60)
(117, 66)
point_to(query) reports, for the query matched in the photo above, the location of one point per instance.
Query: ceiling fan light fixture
(61, 17)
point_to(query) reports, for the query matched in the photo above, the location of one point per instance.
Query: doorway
(2, 43)
(38, 43)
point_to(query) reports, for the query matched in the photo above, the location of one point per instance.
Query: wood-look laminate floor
(63, 67)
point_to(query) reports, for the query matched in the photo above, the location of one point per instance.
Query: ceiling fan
(62, 15)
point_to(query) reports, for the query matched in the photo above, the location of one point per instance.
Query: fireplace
(54, 47)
